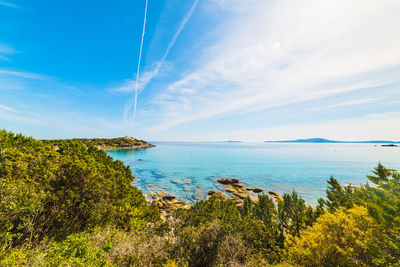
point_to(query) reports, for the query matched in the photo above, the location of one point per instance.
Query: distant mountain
(322, 140)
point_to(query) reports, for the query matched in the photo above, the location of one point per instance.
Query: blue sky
(210, 70)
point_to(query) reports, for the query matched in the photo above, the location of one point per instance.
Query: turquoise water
(185, 169)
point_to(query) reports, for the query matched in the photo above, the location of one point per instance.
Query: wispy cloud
(281, 53)
(351, 103)
(6, 50)
(146, 77)
(21, 74)
(7, 108)
(8, 4)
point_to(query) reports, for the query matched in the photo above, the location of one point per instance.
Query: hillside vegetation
(105, 143)
(72, 205)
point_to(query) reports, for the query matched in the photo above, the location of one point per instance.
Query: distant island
(322, 140)
(126, 142)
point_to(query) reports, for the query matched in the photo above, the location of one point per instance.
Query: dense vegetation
(72, 205)
(105, 143)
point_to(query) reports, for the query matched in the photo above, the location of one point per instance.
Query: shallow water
(185, 169)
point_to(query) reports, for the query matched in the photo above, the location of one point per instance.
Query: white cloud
(7, 108)
(19, 74)
(282, 52)
(6, 50)
(8, 4)
(351, 103)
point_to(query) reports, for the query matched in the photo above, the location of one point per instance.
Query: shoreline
(127, 147)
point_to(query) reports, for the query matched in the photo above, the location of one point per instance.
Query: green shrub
(46, 192)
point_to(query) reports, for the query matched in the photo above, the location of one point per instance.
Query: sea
(189, 170)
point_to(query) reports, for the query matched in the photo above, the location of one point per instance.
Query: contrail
(138, 67)
(160, 63)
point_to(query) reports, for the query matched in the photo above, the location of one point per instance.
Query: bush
(336, 239)
(47, 193)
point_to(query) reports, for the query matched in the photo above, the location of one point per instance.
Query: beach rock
(168, 203)
(276, 196)
(239, 185)
(176, 205)
(240, 195)
(257, 190)
(238, 201)
(168, 197)
(229, 189)
(228, 181)
(217, 194)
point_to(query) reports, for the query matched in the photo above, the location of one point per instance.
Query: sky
(210, 70)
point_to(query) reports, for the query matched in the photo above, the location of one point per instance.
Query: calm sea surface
(185, 169)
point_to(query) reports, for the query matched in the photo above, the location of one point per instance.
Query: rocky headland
(126, 142)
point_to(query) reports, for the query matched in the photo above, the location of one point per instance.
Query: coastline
(127, 147)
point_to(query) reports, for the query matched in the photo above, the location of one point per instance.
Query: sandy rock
(168, 197)
(217, 194)
(276, 196)
(239, 185)
(257, 190)
(228, 181)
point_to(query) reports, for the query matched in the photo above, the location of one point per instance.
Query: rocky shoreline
(230, 189)
(127, 147)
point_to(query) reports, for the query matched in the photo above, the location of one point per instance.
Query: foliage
(52, 193)
(367, 234)
(338, 196)
(97, 247)
(118, 142)
(337, 239)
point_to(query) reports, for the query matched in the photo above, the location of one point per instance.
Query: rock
(239, 185)
(229, 189)
(169, 203)
(140, 160)
(187, 187)
(257, 190)
(161, 193)
(176, 205)
(238, 201)
(196, 196)
(228, 181)
(176, 181)
(168, 197)
(240, 195)
(276, 196)
(187, 181)
(217, 194)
